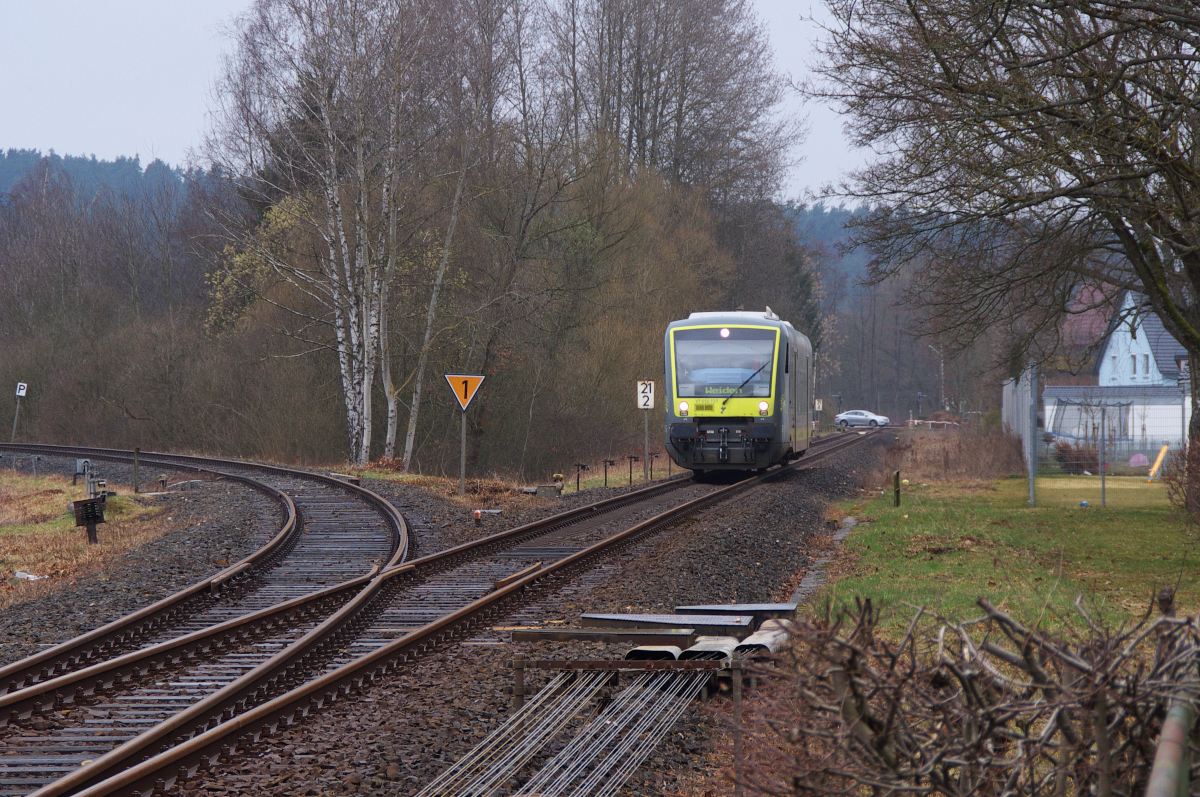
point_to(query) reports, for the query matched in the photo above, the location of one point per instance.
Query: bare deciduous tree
(1027, 149)
(330, 103)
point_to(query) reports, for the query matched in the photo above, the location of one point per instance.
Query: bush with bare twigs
(953, 454)
(1077, 458)
(988, 707)
(1174, 477)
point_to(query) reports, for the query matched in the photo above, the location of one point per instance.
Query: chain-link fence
(1107, 445)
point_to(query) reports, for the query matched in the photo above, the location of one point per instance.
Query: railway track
(383, 622)
(208, 634)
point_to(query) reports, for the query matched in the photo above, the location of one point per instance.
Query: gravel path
(211, 522)
(398, 736)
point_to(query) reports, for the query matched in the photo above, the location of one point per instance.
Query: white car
(860, 418)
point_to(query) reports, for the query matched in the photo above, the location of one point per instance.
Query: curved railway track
(384, 621)
(207, 634)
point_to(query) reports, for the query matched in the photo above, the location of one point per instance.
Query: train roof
(747, 315)
(767, 316)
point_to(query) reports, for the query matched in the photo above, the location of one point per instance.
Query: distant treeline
(534, 203)
(88, 174)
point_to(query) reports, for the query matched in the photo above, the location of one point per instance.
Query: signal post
(645, 402)
(464, 386)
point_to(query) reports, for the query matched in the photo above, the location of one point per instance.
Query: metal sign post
(1185, 379)
(1103, 434)
(645, 399)
(464, 386)
(1032, 452)
(21, 389)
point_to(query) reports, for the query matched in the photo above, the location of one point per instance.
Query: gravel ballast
(397, 736)
(210, 522)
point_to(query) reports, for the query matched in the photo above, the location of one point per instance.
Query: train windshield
(719, 362)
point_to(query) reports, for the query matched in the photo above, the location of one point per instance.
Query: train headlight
(683, 408)
(763, 407)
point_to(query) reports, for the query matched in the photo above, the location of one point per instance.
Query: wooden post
(736, 678)
(896, 488)
(518, 664)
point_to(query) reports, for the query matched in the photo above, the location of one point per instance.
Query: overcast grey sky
(131, 77)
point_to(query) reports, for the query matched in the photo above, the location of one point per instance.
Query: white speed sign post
(645, 402)
(21, 388)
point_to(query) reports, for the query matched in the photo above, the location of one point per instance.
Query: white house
(1137, 384)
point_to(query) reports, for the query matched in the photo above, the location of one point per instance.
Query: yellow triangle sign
(464, 387)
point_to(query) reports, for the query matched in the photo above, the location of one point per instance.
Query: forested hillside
(413, 190)
(399, 190)
(88, 174)
(876, 354)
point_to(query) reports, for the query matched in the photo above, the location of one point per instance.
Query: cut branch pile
(988, 707)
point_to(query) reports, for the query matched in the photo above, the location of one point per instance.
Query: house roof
(1164, 347)
(1157, 394)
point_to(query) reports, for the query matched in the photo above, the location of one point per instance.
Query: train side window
(786, 355)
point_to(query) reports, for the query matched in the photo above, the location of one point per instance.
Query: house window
(1114, 368)
(1146, 365)
(1133, 363)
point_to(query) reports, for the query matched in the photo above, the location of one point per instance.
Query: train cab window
(721, 362)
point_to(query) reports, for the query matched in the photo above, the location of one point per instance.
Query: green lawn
(948, 544)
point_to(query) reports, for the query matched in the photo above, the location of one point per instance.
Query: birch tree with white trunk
(322, 104)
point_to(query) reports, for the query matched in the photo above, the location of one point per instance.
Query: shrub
(1077, 458)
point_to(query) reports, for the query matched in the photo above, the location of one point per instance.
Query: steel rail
(65, 689)
(70, 654)
(286, 667)
(79, 650)
(246, 709)
(399, 527)
(71, 687)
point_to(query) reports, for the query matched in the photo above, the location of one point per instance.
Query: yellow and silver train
(739, 388)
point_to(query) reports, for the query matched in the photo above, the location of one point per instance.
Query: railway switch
(89, 512)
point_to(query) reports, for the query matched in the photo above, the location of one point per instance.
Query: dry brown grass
(480, 493)
(951, 455)
(38, 536)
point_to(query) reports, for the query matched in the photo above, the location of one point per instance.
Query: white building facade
(1145, 403)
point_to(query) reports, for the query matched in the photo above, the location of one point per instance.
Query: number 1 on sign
(465, 386)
